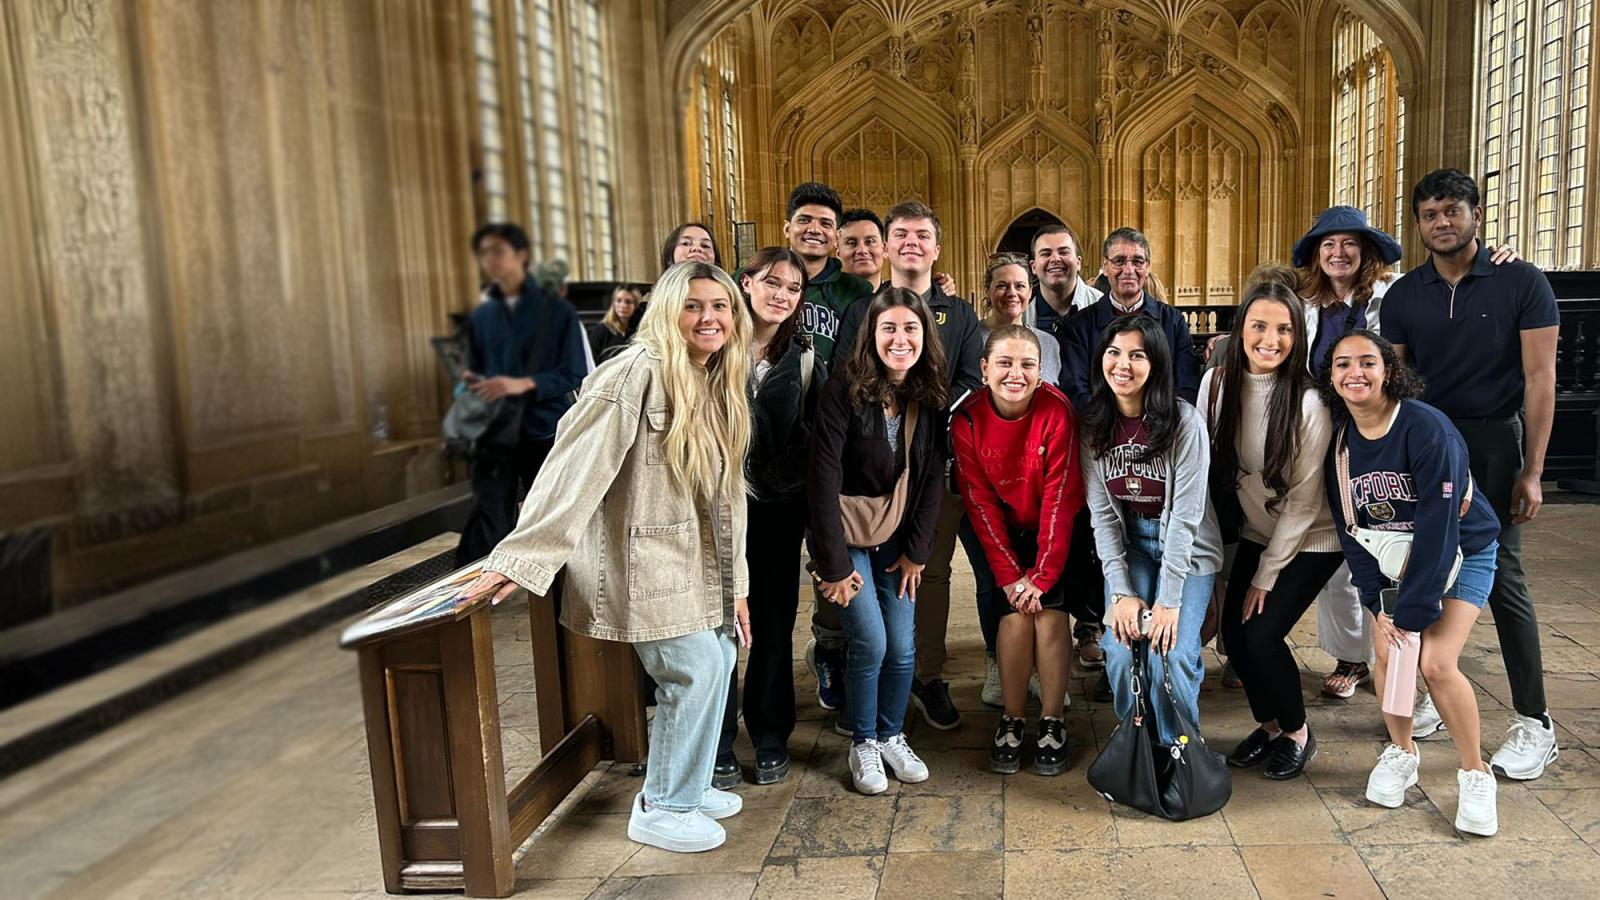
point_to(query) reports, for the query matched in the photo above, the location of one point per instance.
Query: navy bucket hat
(1336, 219)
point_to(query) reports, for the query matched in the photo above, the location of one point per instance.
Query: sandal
(1345, 678)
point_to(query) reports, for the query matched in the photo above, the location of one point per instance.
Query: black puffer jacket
(780, 436)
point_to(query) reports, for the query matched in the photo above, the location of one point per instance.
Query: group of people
(1110, 487)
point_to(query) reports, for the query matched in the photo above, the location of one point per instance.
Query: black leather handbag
(1184, 781)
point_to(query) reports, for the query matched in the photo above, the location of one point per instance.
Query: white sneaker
(902, 760)
(1529, 747)
(866, 768)
(720, 804)
(1395, 772)
(1038, 693)
(1475, 810)
(680, 832)
(991, 694)
(1425, 720)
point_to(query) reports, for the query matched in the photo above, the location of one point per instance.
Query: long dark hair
(765, 259)
(1400, 381)
(1289, 383)
(1100, 415)
(869, 379)
(672, 243)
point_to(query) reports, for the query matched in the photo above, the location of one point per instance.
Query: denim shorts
(1476, 578)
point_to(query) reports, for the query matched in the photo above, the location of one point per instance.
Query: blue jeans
(691, 674)
(879, 631)
(988, 616)
(1183, 665)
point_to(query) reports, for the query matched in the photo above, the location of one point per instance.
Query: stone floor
(255, 785)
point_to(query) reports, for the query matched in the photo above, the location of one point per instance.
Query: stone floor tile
(836, 826)
(1057, 812)
(1575, 768)
(932, 823)
(613, 792)
(1485, 867)
(1137, 829)
(549, 888)
(1576, 727)
(1180, 873)
(1417, 822)
(750, 837)
(1567, 690)
(1262, 811)
(827, 774)
(1521, 814)
(835, 878)
(711, 886)
(1578, 808)
(961, 772)
(964, 875)
(1310, 870)
(581, 846)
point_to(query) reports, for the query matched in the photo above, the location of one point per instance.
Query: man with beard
(1483, 337)
(861, 248)
(811, 226)
(1056, 266)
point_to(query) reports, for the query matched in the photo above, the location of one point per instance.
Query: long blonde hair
(709, 428)
(611, 321)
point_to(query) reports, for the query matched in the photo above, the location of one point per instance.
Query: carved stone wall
(230, 228)
(995, 107)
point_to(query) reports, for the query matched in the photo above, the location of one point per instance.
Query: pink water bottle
(1400, 688)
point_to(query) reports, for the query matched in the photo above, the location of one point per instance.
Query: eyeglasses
(1118, 262)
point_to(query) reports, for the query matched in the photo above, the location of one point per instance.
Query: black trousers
(772, 550)
(498, 484)
(1495, 452)
(1084, 580)
(1257, 648)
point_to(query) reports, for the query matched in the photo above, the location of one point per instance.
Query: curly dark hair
(869, 378)
(1400, 381)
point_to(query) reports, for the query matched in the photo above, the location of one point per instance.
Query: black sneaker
(828, 667)
(933, 701)
(1102, 689)
(1050, 749)
(772, 766)
(726, 773)
(1005, 755)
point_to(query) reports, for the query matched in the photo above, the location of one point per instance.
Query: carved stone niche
(1037, 168)
(1199, 200)
(876, 166)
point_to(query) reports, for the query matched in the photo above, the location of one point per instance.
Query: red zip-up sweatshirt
(1020, 474)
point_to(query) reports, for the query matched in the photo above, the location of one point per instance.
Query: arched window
(1368, 125)
(715, 117)
(491, 145)
(1534, 144)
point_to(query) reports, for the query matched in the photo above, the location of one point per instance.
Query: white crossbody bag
(1392, 549)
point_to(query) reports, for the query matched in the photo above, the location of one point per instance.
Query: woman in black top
(872, 521)
(786, 380)
(612, 331)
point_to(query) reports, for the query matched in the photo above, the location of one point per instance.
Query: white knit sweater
(1303, 521)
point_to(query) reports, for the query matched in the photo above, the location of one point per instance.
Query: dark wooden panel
(562, 767)
(417, 711)
(478, 769)
(380, 757)
(433, 840)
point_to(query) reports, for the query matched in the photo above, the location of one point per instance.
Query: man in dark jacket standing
(524, 347)
(913, 246)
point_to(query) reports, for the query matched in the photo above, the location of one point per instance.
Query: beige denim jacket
(644, 560)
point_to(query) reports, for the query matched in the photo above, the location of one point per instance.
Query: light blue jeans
(691, 674)
(1183, 665)
(879, 631)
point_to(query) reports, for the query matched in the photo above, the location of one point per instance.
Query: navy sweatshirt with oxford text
(1411, 480)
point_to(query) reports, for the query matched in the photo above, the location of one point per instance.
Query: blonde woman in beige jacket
(642, 502)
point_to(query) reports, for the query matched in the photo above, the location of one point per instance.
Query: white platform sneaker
(1395, 773)
(680, 832)
(1475, 810)
(1530, 746)
(902, 761)
(866, 768)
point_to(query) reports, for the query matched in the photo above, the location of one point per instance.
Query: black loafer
(772, 766)
(726, 773)
(1289, 759)
(1252, 750)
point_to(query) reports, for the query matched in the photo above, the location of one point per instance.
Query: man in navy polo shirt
(1483, 337)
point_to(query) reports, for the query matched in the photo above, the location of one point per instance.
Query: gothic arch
(1057, 143)
(912, 118)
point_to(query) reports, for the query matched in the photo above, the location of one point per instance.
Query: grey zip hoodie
(1191, 542)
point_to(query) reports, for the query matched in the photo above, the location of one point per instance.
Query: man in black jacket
(525, 346)
(1127, 262)
(913, 246)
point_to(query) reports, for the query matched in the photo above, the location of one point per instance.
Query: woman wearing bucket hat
(1343, 266)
